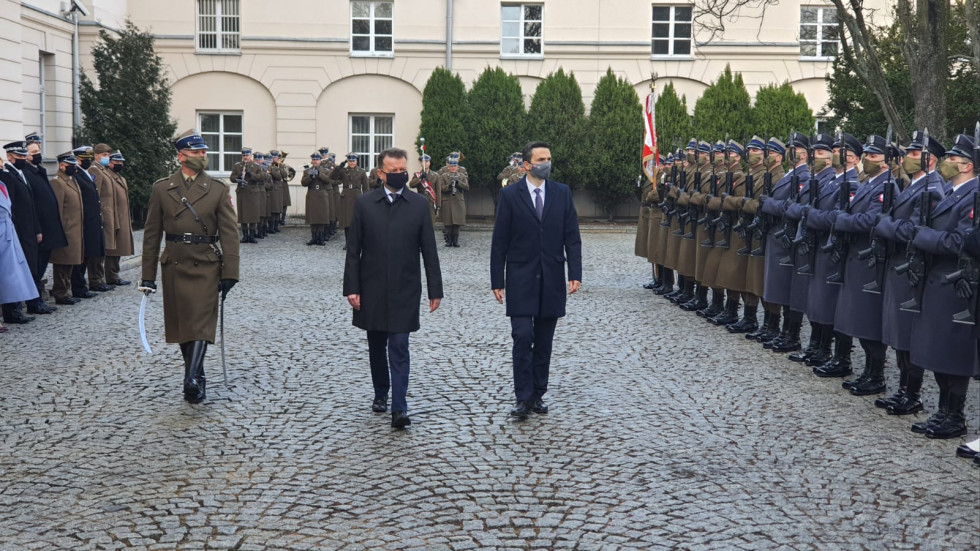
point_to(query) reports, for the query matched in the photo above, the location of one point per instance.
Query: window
(223, 134)
(370, 28)
(370, 135)
(819, 32)
(520, 29)
(671, 34)
(218, 25)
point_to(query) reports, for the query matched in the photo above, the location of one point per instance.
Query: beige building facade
(349, 74)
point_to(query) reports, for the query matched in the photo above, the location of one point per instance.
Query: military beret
(190, 139)
(117, 157)
(316, 156)
(776, 146)
(68, 157)
(735, 147)
(101, 148)
(32, 137)
(83, 151)
(822, 141)
(756, 143)
(17, 148)
(798, 140)
(850, 144)
(934, 147)
(962, 146)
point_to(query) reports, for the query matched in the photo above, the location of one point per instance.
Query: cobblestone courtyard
(664, 432)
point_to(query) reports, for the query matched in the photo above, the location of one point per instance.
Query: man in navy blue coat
(535, 232)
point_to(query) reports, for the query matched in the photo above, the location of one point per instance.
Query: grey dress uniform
(779, 279)
(821, 305)
(799, 295)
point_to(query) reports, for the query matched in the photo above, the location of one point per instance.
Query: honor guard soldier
(193, 212)
(730, 266)
(123, 237)
(514, 165)
(745, 231)
(706, 260)
(316, 180)
(645, 190)
(655, 242)
(354, 182)
(779, 275)
(48, 218)
(249, 178)
(947, 349)
(94, 238)
(330, 162)
(98, 170)
(454, 185)
(267, 187)
(422, 182)
(64, 259)
(695, 293)
(288, 173)
(677, 197)
(277, 205)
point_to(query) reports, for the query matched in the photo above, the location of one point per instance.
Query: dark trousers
(532, 355)
(112, 269)
(390, 364)
(43, 257)
(78, 283)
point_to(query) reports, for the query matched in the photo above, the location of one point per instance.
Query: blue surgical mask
(104, 161)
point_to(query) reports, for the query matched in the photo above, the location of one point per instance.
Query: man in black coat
(48, 217)
(24, 217)
(383, 280)
(92, 237)
(535, 232)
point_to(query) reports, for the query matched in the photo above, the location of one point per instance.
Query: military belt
(191, 239)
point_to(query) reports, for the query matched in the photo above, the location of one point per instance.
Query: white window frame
(219, 31)
(520, 54)
(671, 25)
(820, 25)
(372, 18)
(366, 159)
(221, 170)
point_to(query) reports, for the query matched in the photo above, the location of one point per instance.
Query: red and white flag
(650, 160)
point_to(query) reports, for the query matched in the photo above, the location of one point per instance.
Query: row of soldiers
(867, 240)
(262, 189)
(78, 221)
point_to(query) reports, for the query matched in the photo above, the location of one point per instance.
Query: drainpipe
(76, 83)
(449, 35)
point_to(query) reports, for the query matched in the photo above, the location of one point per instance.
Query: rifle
(968, 268)
(688, 215)
(788, 225)
(881, 250)
(668, 204)
(763, 223)
(840, 242)
(706, 220)
(726, 218)
(808, 238)
(745, 221)
(917, 262)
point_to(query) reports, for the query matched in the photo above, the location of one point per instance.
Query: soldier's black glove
(147, 286)
(963, 289)
(804, 247)
(785, 241)
(835, 256)
(225, 285)
(915, 277)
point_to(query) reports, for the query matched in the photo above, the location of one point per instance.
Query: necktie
(538, 203)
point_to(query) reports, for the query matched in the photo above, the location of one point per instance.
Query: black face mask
(117, 168)
(20, 164)
(70, 170)
(86, 163)
(397, 180)
(36, 159)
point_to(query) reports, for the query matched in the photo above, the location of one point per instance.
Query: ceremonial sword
(142, 322)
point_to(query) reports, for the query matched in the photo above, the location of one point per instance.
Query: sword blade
(224, 366)
(142, 324)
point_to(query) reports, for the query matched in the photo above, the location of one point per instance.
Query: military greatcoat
(454, 205)
(353, 183)
(123, 230)
(69, 197)
(316, 180)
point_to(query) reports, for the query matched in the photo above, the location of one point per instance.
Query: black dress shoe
(871, 385)
(801, 356)
(380, 405)
(883, 403)
(819, 357)
(521, 410)
(120, 282)
(400, 420)
(84, 294)
(18, 319)
(937, 419)
(906, 405)
(67, 300)
(40, 308)
(650, 285)
(103, 288)
(833, 368)
(859, 380)
(965, 451)
(538, 406)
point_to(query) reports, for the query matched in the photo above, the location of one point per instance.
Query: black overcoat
(383, 260)
(46, 208)
(779, 279)
(939, 344)
(527, 255)
(821, 304)
(23, 214)
(93, 239)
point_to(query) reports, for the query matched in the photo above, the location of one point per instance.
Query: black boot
(195, 385)
(244, 233)
(840, 364)
(260, 229)
(936, 418)
(811, 347)
(716, 307)
(773, 330)
(779, 336)
(760, 329)
(699, 301)
(314, 238)
(675, 295)
(346, 236)
(954, 422)
(874, 377)
(823, 353)
(730, 315)
(790, 340)
(903, 378)
(910, 401)
(322, 237)
(658, 279)
(456, 238)
(667, 278)
(251, 234)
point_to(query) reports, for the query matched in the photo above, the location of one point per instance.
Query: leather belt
(191, 239)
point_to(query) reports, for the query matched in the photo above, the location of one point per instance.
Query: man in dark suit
(48, 218)
(535, 231)
(24, 217)
(388, 230)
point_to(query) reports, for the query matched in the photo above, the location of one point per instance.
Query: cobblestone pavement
(664, 433)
